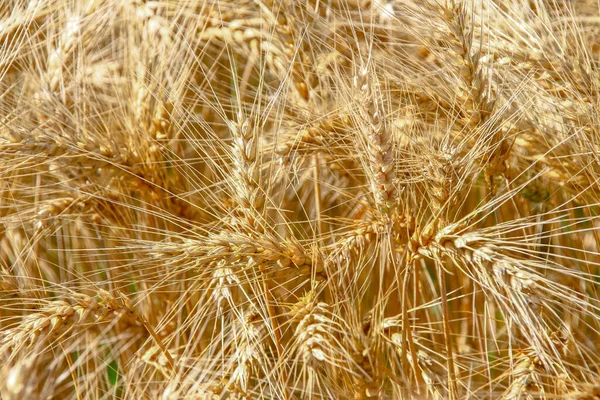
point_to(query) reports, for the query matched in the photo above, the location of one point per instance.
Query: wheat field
(299, 199)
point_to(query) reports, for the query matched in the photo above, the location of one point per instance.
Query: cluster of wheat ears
(299, 199)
